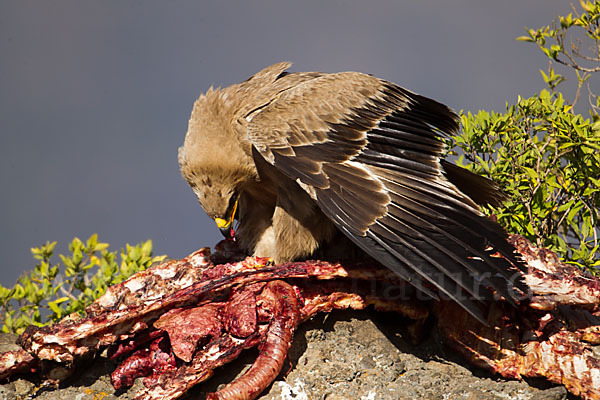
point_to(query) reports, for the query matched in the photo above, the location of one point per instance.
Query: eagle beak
(226, 225)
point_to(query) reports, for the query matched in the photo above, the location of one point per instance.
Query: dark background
(95, 96)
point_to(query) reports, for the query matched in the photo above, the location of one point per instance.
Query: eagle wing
(369, 152)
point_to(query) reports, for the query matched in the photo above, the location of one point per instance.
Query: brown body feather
(309, 155)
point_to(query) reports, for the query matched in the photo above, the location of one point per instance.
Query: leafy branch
(46, 294)
(574, 42)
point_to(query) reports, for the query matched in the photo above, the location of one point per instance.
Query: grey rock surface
(342, 355)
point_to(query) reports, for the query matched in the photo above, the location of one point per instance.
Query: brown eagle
(297, 158)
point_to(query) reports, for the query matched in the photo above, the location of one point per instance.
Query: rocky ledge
(341, 355)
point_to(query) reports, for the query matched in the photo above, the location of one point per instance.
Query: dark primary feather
(378, 176)
(482, 191)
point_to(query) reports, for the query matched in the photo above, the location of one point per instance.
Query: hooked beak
(226, 225)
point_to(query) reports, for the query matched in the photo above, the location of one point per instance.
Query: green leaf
(54, 306)
(101, 246)
(525, 39)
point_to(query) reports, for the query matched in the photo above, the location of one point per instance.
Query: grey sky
(95, 96)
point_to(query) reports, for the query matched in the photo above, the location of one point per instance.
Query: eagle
(311, 161)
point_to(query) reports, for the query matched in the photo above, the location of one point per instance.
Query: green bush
(544, 156)
(50, 292)
(547, 160)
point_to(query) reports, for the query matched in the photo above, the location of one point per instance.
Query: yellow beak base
(224, 225)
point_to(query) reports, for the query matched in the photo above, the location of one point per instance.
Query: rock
(341, 355)
(361, 355)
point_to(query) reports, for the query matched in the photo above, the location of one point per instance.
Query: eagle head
(217, 186)
(214, 160)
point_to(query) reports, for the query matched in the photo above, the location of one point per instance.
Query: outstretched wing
(368, 152)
